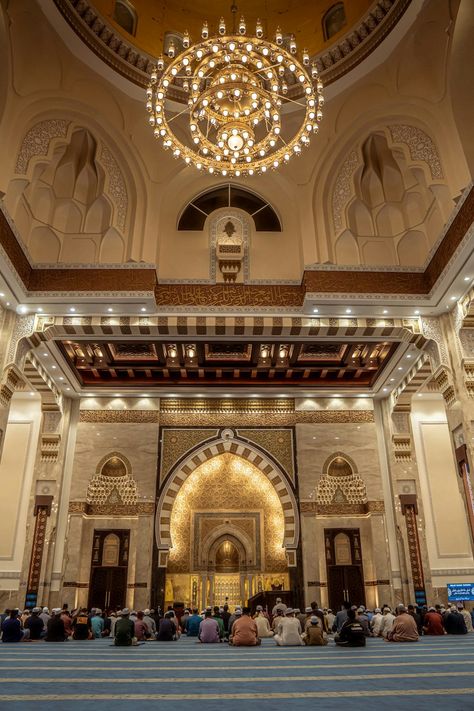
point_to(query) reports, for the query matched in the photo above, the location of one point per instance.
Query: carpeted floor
(434, 674)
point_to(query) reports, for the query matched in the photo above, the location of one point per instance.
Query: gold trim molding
(142, 508)
(312, 507)
(108, 416)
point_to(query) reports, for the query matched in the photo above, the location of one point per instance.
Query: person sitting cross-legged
(288, 631)
(263, 625)
(314, 635)
(124, 630)
(351, 633)
(404, 627)
(244, 631)
(209, 631)
(55, 630)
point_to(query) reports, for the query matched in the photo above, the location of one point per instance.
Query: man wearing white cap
(150, 622)
(279, 605)
(288, 631)
(45, 616)
(376, 622)
(124, 630)
(263, 626)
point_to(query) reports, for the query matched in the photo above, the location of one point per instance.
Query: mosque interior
(218, 387)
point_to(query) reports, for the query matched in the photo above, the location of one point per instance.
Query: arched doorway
(227, 534)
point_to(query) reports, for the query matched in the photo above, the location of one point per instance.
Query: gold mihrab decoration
(227, 483)
(176, 442)
(278, 442)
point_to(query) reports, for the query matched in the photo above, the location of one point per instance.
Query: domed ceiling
(129, 36)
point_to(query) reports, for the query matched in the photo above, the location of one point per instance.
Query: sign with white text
(460, 591)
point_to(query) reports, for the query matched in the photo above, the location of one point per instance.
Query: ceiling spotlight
(72, 309)
(110, 310)
(117, 395)
(400, 367)
(315, 311)
(465, 279)
(45, 354)
(348, 311)
(385, 311)
(61, 378)
(143, 309)
(453, 298)
(39, 309)
(2, 294)
(408, 355)
(385, 389)
(417, 312)
(23, 309)
(68, 388)
(54, 367)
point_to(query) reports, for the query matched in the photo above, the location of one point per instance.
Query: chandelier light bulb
(237, 122)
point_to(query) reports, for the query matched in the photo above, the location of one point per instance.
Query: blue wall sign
(460, 591)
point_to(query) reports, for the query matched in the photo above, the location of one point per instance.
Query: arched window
(340, 467)
(195, 213)
(125, 15)
(334, 20)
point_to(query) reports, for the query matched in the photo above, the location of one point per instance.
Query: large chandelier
(250, 103)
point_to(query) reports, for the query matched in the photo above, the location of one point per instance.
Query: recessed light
(143, 309)
(72, 309)
(54, 367)
(39, 309)
(45, 354)
(89, 395)
(392, 379)
(385, 389)
(420, 394)
(385, 311)
(336, 395)
(61, 377)
(110, 310)
(8, 303)
(408, 355)
(22, 309)
(117, 395)
(417, 312)
(453, 298)
(465, 279)
(400, 367)
(145, 395)
(348, 311)
(336, 437)
(68, 388)
(2, 294)
(31, 394)
(315, 311)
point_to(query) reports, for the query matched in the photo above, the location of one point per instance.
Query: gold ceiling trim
(208, 405)
(141, 416)
(136, 65)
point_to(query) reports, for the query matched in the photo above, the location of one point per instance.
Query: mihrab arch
(246, 451)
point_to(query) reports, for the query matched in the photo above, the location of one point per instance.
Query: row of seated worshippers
(288, 627)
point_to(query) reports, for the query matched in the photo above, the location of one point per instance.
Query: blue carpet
(432, 674)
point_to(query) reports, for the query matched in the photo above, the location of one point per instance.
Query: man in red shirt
(244, 631)
(433, 622)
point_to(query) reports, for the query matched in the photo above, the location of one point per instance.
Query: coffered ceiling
(262, 364)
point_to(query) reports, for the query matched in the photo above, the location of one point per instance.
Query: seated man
(433, 622)
(352, 633)
(11, 628)
(55, 630)
(244, 631)
(314, 635)
(288, 631)
(191, 626)
(404, 627)
(209, 631)
(141, 628)
(454, 622)
(35, 624)
(263, 625)
(124, 630)
(167, 630)
(81, 625)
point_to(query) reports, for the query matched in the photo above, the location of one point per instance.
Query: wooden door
(109, 567)
(344, 567)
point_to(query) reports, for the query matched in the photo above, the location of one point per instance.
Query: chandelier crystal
(250, 103)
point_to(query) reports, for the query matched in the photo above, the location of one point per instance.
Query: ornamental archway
(227, 492)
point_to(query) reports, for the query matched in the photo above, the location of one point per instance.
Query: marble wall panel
(316, 442)
(137, 441)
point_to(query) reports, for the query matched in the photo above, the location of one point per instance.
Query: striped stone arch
(203, 453)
